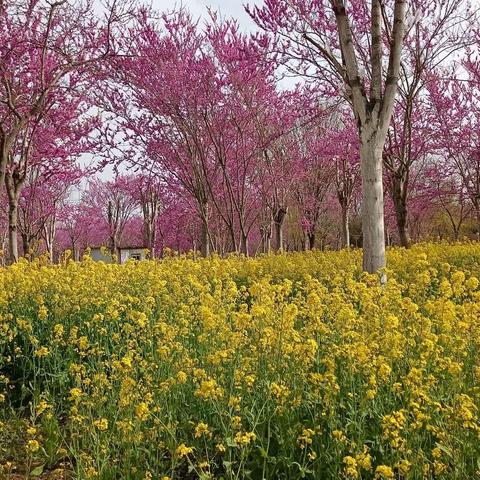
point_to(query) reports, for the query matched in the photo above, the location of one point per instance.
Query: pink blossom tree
(344, 48)
(457, 120)
(112, 205)
(43, 198)
(149, 193)
(439, 30)
(49, 146)
(45, 49)
(49, 60)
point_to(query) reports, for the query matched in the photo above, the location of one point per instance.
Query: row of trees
(222, 153)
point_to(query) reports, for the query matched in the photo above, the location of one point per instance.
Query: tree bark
(477, 213)
(12, 230)
(346, 225)
(6, 143)
(113, 244)
(265, 232)
(278, 221)
(372, 207)
(399, 198)
(205, 234)
(310, 241)
(373, 114)
(149, 236)
(74, 250)
(25, 243)
(49, 236)
(13, 185)
(244, 244)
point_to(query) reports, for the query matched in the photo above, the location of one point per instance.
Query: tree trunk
(5, 147)
(113, 244)
(477, 215)
(456, 232)
(244, 244)
(372, 206)
(399, 198)
(278, 221)
(74, 251)
(265, 233)
(12, 230)
(310, 241)
(153, 241)
(149, 236)
(50, 229)
(345, 226)
(205, 237)
(26, 243)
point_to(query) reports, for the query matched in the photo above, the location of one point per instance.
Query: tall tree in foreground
(344, 46)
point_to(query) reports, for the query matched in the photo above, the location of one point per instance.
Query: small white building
(131, 253)
(102, 254)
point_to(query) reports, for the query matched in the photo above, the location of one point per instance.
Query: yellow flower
(234, 402)
(371, 393)
(91, 472)
(209, 390)
(350, 470)
(403, 467)
(439, 468)
(142, 411)
(384, 472)
(220, 448)
(306, 437)
(236, 421)
(339, 436)
(42, 352)
(182, 450)
(245, 438)
(33, 446)
(181, 377)
(364, 460)
(436, 453)
(83, 343)
(472, 283)
(101, 424)
(280, 392)
(201, 429)
(58, 330)
(42, 406)
(42, 312)
(75, 394)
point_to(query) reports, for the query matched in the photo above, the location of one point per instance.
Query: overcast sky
(198, 8)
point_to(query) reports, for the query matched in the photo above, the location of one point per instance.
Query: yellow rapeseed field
(278, 367)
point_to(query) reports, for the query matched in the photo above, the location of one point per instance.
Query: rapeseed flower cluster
(282, 366)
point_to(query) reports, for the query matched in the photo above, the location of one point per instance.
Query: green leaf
(445, 449)
(230, 442)
(37, 471)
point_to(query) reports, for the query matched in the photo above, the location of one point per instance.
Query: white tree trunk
(372, 207)
(345, 226)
